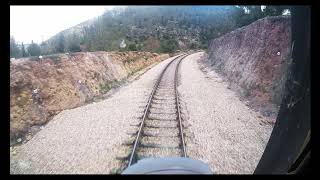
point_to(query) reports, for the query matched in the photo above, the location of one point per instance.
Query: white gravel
(223, 131)
(89, 138)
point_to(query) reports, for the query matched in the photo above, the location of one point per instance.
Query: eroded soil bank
(254, 60)
(41, 88)
(88, 139)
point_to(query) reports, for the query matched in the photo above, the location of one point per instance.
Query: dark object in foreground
(168, 165)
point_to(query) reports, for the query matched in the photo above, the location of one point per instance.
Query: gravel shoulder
(222, 131)
(87, 139)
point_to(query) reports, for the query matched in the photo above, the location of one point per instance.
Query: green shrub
(107, 85)
(168, 46)
(34, 49)
(247, 92)
(132, 47)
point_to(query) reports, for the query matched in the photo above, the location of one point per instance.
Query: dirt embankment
(42, 88)
(254, 59)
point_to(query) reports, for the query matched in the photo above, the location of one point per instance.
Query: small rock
(28, 137)
(34, 129)
(60, 71)
(278, 53)
(267, 113)
(35, 91)
(26, 67)
(122, 44)
(19, 140)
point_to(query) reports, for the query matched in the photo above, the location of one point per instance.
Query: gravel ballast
(87, 139)
(163, 145)
(223, 132)
(220, 129)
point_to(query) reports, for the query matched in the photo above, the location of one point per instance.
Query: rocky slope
(40, 88)
(254, 59)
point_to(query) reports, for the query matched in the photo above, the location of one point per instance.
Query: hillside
(152, 28)
(161, 29)
(39, 89)
(254, 60)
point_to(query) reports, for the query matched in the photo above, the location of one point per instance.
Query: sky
(38, 23)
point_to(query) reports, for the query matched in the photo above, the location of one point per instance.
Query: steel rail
(178, 108)
(147, 110)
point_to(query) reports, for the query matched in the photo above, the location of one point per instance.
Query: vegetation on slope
(160, 29)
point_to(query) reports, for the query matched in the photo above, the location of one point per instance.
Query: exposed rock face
(254, 59)
(40, 89)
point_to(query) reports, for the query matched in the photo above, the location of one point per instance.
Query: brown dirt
(40, 89)
(254, 60)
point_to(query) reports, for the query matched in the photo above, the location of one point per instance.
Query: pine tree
(14, 49)
(24, 54)
(73, 44)
(60, 47)
(34, 49)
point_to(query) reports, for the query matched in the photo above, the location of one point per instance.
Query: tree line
(159, 29)
(17, 51)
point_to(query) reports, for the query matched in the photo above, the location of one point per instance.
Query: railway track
(160, 132)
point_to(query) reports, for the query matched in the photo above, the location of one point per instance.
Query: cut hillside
(254, 60)
(41, 88)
